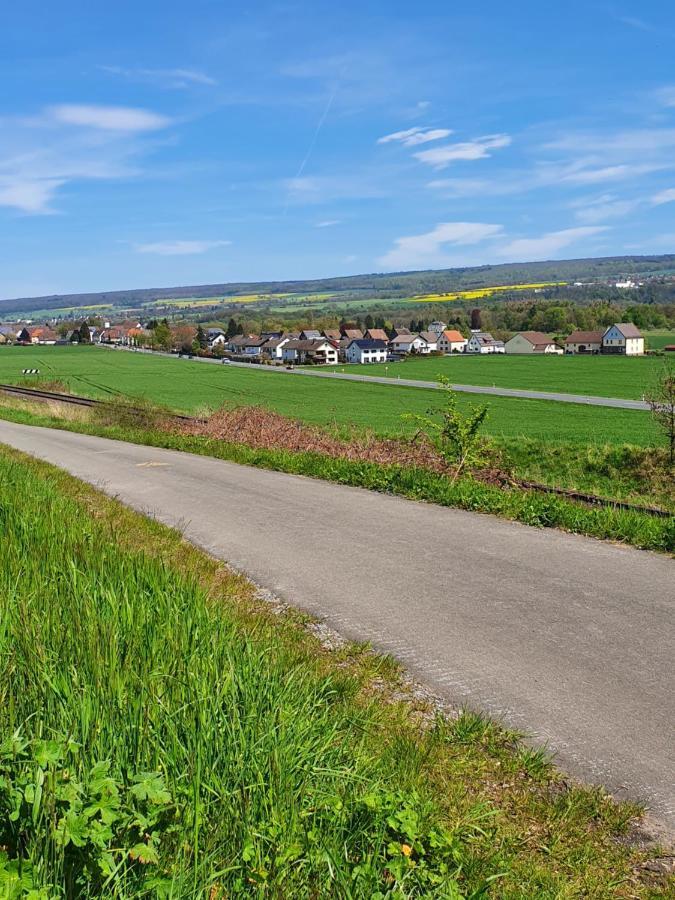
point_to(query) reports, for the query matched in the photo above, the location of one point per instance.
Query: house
(354, 334)
(366, 350)
(273, 347)
(7, 335)
(451, 341)
(532, 342)
(112, 335)
(584, 342)
(398, 332)
(377, 334)
(42, 335)
(483, 342)
(319, 352)
(333, 334)
(407, 343)
(310, 334)
(239, 342)
(624, 338)
(430, 339)
(215, 337)
(438, 327)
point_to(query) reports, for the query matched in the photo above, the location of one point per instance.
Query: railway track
(72, 399)
(588, 499)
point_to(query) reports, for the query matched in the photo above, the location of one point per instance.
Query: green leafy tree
(661, 400)
(370, 322)
(85, 334)
(231, 328)
(456, 435)
(162, 337)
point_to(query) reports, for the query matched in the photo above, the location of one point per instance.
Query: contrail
(312, 143)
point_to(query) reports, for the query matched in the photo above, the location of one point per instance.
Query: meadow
(600, 376)
(190, 386)
(657, 340)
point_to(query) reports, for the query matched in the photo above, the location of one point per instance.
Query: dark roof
(369, 344)
(431, 337)
(310, 334)
(585, 337)
(307, 345)
(628, 330)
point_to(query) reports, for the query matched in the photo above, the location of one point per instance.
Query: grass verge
(165, 733)
(529, 507)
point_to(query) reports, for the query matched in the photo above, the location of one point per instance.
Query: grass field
(656, 340)
(601, 376)
(189, 386)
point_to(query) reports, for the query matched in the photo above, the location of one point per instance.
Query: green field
(656, 340)
(600, 376)
(190, 386)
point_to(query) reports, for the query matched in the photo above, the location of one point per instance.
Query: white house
(407, 343)
(532, 342)
(366, 351)
(438, 327)
(583, 342)
(273, 347)
(430, 339)
(451, 341)
(216, 337)
(483, 342)
(625, 338)
(321, 352)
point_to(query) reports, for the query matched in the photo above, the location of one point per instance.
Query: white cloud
(423, 250)
(440, 157)
(411, 137)
(599, 209)
(108, 118)
(667, 196)
(634, 22)
(328, 223)
(166, 78)
(30, 196)
(179, 248)
(41, 154)
(546, 246)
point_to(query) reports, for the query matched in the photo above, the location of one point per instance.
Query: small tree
(162, 337)
(661, 400)
(85, 334)
(454, 434)
(202, 338)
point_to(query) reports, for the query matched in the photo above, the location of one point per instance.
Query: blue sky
(146, 144)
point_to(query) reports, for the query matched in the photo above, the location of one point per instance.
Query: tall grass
(264, 769)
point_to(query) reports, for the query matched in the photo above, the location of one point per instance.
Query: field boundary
(512, 393)
(579, 496)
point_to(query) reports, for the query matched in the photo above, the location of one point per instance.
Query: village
(347, 344)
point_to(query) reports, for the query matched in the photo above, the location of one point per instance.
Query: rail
(589, 499)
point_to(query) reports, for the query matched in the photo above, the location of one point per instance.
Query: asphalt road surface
(566, 637)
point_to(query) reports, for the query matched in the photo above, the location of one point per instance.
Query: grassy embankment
(533, 508)
(165, 733)
(594, 449)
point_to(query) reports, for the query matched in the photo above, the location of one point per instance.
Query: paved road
(587, 400)
(567, 637)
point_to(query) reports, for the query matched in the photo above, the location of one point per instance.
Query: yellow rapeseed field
(482, 292)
